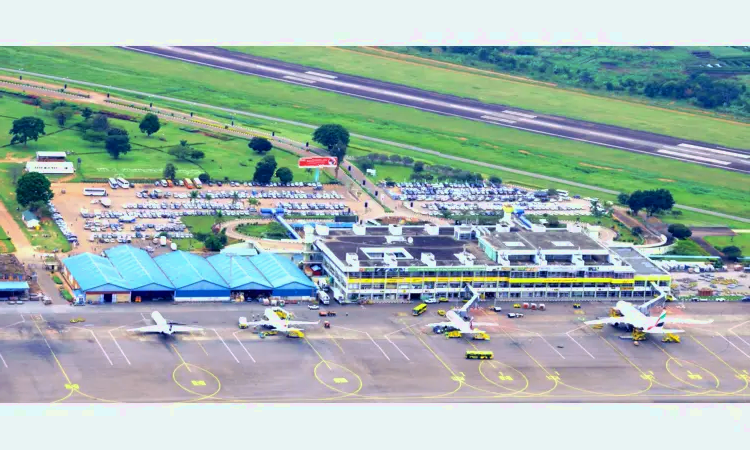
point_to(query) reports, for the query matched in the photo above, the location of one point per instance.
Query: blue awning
(7, 286)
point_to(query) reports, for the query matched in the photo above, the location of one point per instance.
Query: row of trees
(652, 201)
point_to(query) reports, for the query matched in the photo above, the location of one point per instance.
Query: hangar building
(193, 277)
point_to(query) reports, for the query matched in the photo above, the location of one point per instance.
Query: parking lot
(370, 353)
(137, 215)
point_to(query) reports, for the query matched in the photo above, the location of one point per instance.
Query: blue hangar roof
(186, 269)
(239, 272)
(280, 271)
(10, 286)
(138, 268)
(95, 273)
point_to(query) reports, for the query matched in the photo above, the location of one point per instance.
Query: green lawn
(693, 185)
(6, 245)
(544, 99)
(741, 240)
(686, 247)
(690, 218)
(271, 230)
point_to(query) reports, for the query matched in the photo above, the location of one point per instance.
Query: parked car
(496, 308)
(514, 315)
(313, 307)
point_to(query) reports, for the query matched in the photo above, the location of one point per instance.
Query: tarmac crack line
(99, 343)
(370, 337)
(242, 345)
(578, 343)
(225, 345)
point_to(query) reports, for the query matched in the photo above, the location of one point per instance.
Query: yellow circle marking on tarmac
(505, 378)
(331, 365)
(190, 391)
(697, 373)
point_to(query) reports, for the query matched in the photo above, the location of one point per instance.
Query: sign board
(318, 161)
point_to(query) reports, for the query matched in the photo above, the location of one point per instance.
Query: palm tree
(235, 197)
(193, 195)
(219, 216)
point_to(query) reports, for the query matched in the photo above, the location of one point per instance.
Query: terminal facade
(406, 263)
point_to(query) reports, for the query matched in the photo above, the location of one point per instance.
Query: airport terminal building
(403, 263)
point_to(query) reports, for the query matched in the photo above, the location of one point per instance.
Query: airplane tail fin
(659, 323)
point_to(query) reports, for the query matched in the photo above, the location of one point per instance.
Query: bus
(197, 183)
(188, 183)
(123, 183)
(113, 183)
(419, 309)
(95, 192)
(479, 354)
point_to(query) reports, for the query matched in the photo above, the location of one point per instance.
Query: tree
(215, 242)
(62, 114)
(553, 221)
(407, 160)
(330, 135)
(260, 145)
(395, 159)
(100, 123)
(193, 194)
(659, 200)
(150, 124)
(418, 166)
(339, 151)
(366, 165)
(552, 192)
(733, 253)
(94, 136)
(622, 198)
(26, 128)
(40, 208)
(31, 187)
(637, 201)
(235, 197)
(284, 175)
(117, 142)
(495, 180)
(196, 155)
(204, 177)
(265, 169)
(170, 171)
(637, 231)
(87, 113)
(182, 151)
(679, 231)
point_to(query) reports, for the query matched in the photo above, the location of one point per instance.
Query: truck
(324, 298)
(163, 241)
(188, 183)
(106, 202)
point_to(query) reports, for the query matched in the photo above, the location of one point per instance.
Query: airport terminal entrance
(250, 295)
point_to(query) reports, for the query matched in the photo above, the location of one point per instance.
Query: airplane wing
(677, 320)
(297, 322)
(149, 329)
(184, 329)
(606, 321)
(663, 331)
(440, 324)
(486, 324)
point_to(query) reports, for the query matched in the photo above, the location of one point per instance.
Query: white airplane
(457, 323)
(634, 317)
(164, 326)
(273, 322)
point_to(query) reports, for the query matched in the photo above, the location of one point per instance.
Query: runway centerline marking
(117, 344)
(242, 345)
(571, 338)
(98, 343)
(187, 366)
(373, 341)
(225, 345)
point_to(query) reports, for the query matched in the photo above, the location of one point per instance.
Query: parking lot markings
(373, 341)
(117, 344)
(3, 360)
(578, 343)
(542, 338)
(732, 344)
(225, 345)
(242, 345)
(736, 335)
(397, 348)
(99, 343)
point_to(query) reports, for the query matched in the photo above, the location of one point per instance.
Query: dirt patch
(666, 180)
(15, 160)
(599, 167)
(524, 152)
(462, 139)
(216, 136)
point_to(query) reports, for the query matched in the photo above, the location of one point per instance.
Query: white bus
(123, 183)
(197, 183)
(113, 183)
(95, 192)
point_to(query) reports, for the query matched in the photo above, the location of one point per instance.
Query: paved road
(593, 133)
(363, 137)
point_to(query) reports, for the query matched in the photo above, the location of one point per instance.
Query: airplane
(273, 322)
(164, 326)
(636, 317)
(456, 321)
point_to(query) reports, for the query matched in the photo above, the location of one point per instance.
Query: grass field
(686, 247)
(544, 99)
(6, 245)
(271, 230)
(741, 240)
(693, 185)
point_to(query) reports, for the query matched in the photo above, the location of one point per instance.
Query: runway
(701, 153)
(377, 353)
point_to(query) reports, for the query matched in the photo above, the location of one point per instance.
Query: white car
(313, 307)
(721, 299)
(430, 300)
(497, 309)
(514, 315)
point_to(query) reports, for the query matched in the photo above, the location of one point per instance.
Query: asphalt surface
(594, 133)
(375, 354)
(363, 137)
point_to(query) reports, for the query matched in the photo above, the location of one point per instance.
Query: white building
(61, 168)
